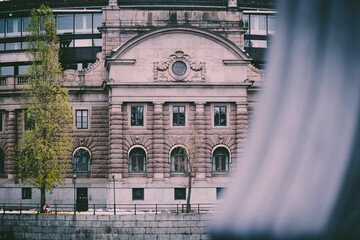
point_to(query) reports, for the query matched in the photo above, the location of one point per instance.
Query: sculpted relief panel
(179, 67)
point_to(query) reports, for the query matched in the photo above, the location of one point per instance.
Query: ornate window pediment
(179, 67)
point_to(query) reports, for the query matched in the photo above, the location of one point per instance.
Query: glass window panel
(2, 47)
(137, 160)
(97, 21)
(271, 24)
(64, 23)
(2, 28)
(258, 24)
(83, 23)
(137, 116)
(26, 193)
(180, 194)
(259, 43)
(13, 46)
(81, 121)
(13, 27)
(6, 71)
(246, 22)
(83, 42)
(221, 160)
(23, 69)
(178, 159)
(220, 116)
(24, 45)
(25, 24)
(82, 160)
(137, 194)
(178, 116)
(97, 42)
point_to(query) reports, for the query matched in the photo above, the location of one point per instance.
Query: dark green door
(82, 203)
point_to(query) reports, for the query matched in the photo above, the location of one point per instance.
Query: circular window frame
(177, 77)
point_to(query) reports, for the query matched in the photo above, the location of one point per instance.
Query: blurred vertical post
(301, 175)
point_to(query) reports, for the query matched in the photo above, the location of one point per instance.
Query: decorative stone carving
(179, 67)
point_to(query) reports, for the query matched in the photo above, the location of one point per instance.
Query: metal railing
(3, 81)
(106, 209)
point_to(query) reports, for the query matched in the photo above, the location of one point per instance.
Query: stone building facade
(163, 78)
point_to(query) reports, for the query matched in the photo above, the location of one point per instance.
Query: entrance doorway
(82, 203)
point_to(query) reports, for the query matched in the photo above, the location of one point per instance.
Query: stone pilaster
(115, 140)
(200, 142)
(158, 142)
(111, 28)
(11, 140)
(241, 132)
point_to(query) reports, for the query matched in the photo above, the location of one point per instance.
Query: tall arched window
(220, 160)
(137, 160)
(178, 159)
(2, 162)
(82, 157)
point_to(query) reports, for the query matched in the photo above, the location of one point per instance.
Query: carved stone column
(241, 132)
(115, 140)
(200, 142)
(158, 142)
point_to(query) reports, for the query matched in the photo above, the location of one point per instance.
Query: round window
(179, 68)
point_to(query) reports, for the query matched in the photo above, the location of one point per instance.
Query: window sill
(137, 174)
(83, 174)
(220, 174)
(177, 174)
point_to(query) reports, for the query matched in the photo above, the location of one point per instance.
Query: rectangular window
(271, 24)
(23, 69)
(1, 121)
(13, 46)
(246, 22)
(81, 119)
(137, 116)
(83, 42)
(219, 192)
(13, 27)
(97, 42)
(137, 194)
(180, 194)
(97, 21)
(65, 23)
(7, 71)
(26, 193)
(25, 24)
(220, 116)
(258, 24)
(178, 115)
(83, 23)
(2, 28)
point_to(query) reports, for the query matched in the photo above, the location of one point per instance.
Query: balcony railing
(3, 81)
(12, 82)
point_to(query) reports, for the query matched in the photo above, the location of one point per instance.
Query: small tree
(44, 147)
(192, 166)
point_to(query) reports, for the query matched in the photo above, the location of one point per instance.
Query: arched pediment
(217, 39)
(178, 54)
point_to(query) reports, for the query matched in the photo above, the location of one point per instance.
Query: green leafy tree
(43, 150)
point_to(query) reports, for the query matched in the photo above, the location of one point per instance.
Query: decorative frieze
(179, 67)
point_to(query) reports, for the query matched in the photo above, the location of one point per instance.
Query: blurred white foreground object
(300, 177)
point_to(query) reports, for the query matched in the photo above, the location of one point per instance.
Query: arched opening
(82, 160)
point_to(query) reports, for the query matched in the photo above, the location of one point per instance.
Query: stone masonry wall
(124, 227)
